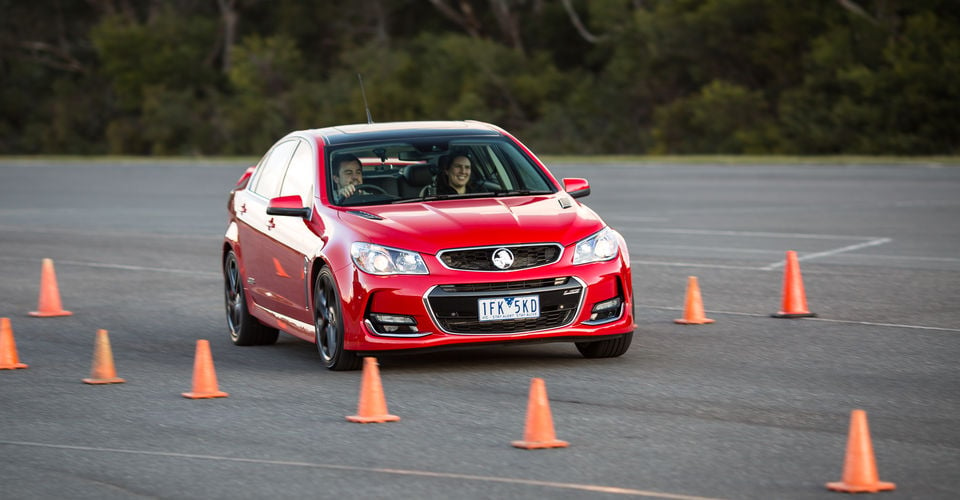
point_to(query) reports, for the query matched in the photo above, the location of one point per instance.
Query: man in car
(347, 176)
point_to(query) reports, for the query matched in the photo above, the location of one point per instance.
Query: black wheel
(328, 323)
(244, 328)
(609, 348)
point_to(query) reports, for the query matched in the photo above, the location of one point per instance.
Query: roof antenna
(365, 105)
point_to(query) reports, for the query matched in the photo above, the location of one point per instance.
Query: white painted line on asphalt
(692, 264)
(634, 246)
(638, 218)
(835, 251)
(98, 232)
(123, 267)
(138, 268)
(870, 242)
(402, 472)
(826, 320)
(714, 232)
(908, 258)
(892, 325)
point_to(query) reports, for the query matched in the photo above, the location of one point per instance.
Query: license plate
(501, 308)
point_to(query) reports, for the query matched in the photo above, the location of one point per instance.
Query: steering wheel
(371, 187)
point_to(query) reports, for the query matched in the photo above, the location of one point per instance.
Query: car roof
(363, 132)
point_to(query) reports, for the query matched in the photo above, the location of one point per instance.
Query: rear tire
(328, 324)
(244, 328)
(609, 348)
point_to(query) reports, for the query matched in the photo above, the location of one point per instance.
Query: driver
(346, 178)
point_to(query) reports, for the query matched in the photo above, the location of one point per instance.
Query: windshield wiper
(429, 197)
(522, 192)
(434, 197)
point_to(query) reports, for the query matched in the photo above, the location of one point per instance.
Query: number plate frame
(508, 308)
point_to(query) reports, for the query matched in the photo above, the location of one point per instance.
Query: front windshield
(427, 169)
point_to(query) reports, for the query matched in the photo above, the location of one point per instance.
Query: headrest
(417, 175)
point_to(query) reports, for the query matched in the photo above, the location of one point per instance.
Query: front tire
(609, 348)
(244, 328)
(328, 324)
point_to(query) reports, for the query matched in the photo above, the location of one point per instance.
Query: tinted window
(299, 177)
(270, 173)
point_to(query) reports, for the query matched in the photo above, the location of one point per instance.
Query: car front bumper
(577, 303)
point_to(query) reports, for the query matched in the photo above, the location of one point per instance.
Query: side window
(267, 183)
(300, 174)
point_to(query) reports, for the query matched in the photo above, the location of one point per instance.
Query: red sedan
(419, 235)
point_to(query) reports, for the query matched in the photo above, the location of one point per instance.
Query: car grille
(454, 307)
(481, 259)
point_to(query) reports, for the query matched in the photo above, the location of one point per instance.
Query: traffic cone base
(372, 420)
(794, 298)
(538, 432)
(859, 467)
(104, 381)
(103, 371)
(852, 488)
(42, 314)
(540, 445)
(9, 360)
(205, 395)
(372, 405)
(793, 315)
(48, 304)
(204, 376)
(693, 306)
(703, 321)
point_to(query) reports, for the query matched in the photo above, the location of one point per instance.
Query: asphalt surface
(749, 407)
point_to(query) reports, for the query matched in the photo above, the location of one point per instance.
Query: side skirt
(286, 324)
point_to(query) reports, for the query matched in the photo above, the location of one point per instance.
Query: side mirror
(578, 188)
(291, 206)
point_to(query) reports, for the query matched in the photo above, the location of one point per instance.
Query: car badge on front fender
(502, 258)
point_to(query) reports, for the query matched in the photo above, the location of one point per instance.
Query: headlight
(603, 245)
(376, 259)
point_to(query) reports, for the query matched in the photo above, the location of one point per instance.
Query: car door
(255, 227)
(292, 240)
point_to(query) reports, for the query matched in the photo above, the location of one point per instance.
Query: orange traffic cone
(794, 298)
(103, 371)
(8, 347)
(372, 406)
(859, 468)
(538, 432)
(49, 301)
(204, 376)
(693, 306)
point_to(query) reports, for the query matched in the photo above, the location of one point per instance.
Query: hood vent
(365, 215)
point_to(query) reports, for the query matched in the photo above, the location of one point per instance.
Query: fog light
(393, 324)
(607, 310)
(395, 319)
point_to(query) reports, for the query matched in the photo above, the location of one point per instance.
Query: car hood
(433, 226)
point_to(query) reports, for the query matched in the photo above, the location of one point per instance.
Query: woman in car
(455, 174)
